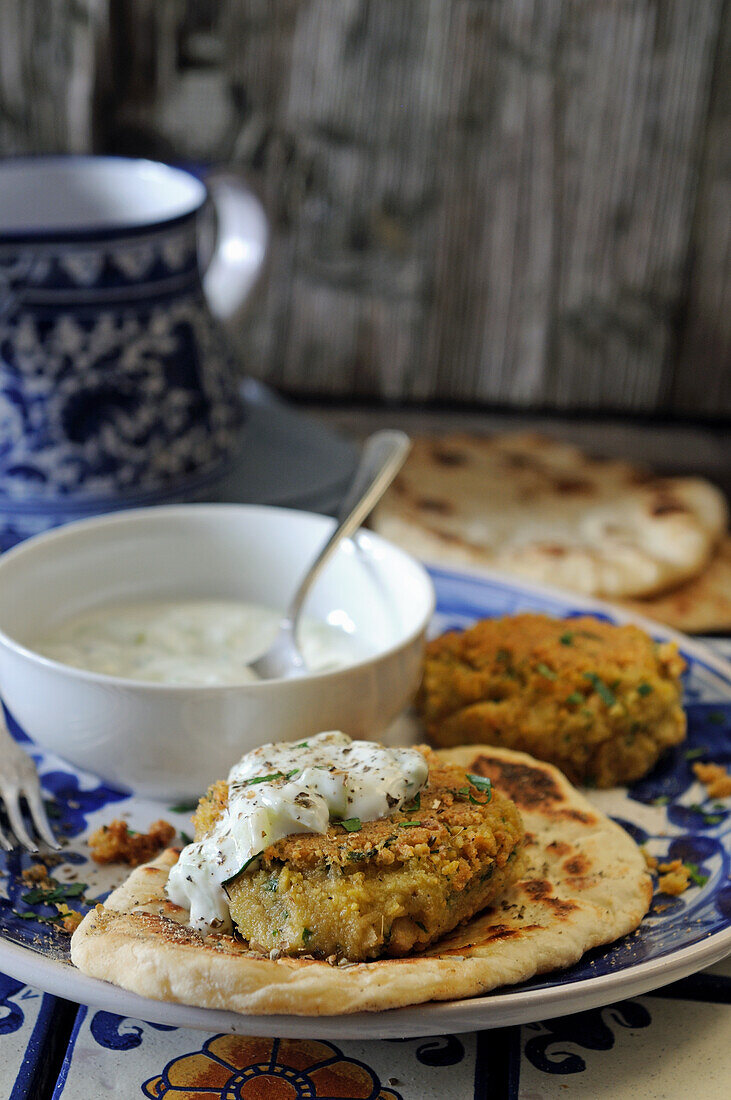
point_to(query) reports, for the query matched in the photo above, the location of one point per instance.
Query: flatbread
(546, 511)
(583, 883)
(701, 605)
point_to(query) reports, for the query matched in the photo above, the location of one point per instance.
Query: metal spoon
(384, 453)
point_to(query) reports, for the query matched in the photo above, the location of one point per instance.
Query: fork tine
(32, 796)
(5, 843)
(12, 809)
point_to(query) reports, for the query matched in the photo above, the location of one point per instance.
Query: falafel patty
(601, 702)
(392, 886)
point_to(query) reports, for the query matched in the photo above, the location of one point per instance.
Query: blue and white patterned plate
(668, 811)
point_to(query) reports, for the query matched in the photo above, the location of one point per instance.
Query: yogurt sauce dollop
(286, 788)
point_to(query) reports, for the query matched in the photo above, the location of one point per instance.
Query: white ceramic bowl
(171, 740)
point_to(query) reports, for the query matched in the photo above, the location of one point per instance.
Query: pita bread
(546, 511)
(583, 883)
(701, 605)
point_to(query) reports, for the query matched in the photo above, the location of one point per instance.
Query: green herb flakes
(695, 754)
(567, 638)
(708, 818)
(307, 935)
(240, 870)
(59, 891)
(600, 688)
(351, 824)
(575, 698)
(695, 874)
(645, 689)
(482, 784)
(183, 807)
(546, 671)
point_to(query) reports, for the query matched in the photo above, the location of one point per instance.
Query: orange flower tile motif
(236, 1067)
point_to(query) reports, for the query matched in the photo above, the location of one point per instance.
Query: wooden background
(498, 202)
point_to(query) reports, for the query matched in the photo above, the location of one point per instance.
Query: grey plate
(286, 458)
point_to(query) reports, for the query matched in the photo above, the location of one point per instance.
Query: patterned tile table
(672, 1044)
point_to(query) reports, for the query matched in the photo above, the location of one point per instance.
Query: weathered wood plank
(701, 381)
(47, 74)
(512, 202)
(514, 228)
(636, 78)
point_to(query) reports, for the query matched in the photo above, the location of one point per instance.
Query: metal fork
(19, 779)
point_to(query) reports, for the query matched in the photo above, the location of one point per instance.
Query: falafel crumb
(714, 778)
(650, 861)
(36, 874)
(674, 877)
(114, 843)
(70, 918)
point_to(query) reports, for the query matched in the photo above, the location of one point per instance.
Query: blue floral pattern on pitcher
(114, 377)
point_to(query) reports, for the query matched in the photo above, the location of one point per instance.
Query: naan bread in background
(546, 511)
(701, 605)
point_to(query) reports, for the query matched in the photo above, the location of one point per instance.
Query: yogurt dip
(286, 788)
(191, 642)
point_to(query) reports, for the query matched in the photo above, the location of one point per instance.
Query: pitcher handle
(240, 246)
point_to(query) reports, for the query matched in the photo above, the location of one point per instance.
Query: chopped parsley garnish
(420, 925)
(567, 638)
(183, 807)
(240, 870)
(708, 819)
(303, 745)
(481, 783)
(270, 886)
(307, 935)
(600, 688)
(408, 824)
(415, 804)
(661, 800)
(694, 874)
(694, 754)
(58, 892)
(546, 671)
(575, 698)
(262, 779)
(186, 837)
(645, 689)
(351, 824)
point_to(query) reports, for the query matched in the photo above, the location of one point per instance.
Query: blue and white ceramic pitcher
(116, 386)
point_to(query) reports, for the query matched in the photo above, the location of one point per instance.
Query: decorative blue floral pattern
(119, 1032)
(585, 1029)
(11, 1014)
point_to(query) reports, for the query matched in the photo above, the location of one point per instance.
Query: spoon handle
(383, 455)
